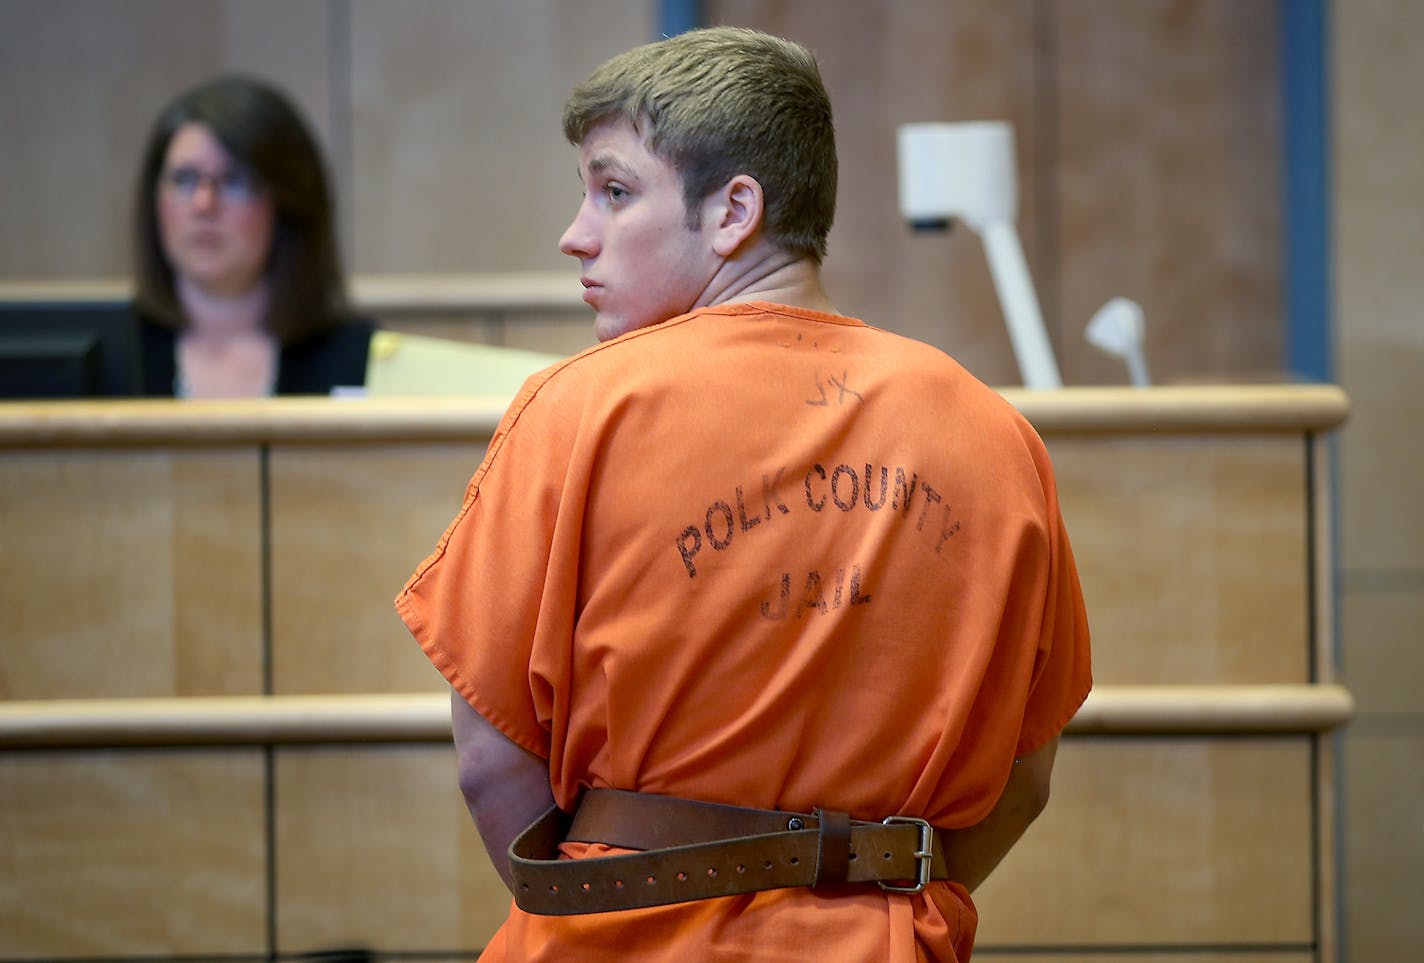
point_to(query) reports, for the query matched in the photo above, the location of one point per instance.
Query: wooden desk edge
(381, 294)
(1229, 409)
(164, 421)
(1182, 409)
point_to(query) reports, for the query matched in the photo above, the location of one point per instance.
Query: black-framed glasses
(233, 186)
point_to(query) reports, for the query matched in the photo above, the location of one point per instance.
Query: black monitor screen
(68, 349)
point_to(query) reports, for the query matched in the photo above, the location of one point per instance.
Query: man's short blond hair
(722, 101)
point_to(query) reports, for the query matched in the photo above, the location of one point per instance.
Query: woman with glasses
(239, 289)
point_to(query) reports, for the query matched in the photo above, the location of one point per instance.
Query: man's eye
(616, 192)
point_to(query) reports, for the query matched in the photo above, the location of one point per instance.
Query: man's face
(641, 263)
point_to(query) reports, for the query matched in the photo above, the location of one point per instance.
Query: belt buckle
(924, 855)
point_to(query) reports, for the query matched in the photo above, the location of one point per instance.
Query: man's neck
(770, 275)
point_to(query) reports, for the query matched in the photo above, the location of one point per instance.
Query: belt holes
(766, 864)
(712, 872)
(585, 887)
(681, 877)
(794, 860)
(651, 880)
(553, 887)
(741, 868)
(617, 884)
(795, 822)
(852, 857)
(885, 856)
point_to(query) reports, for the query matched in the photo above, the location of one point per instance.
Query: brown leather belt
(696, 850)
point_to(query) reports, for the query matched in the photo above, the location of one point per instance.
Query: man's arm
(505, 786)
(973, 852)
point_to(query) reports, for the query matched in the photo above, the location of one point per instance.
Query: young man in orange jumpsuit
(749, 550)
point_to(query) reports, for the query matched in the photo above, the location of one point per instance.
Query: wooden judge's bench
(217, 739)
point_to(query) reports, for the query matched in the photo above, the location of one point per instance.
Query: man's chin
(607, 327)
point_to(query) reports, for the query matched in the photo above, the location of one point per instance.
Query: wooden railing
(425, 717)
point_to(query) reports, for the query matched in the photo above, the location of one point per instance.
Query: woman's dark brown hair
(264, 132)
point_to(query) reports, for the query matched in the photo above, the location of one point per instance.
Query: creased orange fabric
(768, 557)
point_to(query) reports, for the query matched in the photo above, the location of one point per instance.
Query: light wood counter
(199, 658)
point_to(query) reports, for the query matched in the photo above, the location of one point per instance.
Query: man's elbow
(1033, 779)
(492, 770)
(483, 767)
(471, 777)
(1037, 797)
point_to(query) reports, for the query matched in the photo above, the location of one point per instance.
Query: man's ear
(738, 208)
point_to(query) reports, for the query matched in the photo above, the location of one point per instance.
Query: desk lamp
(965, 173)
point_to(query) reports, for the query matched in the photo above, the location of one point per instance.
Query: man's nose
(578, 239)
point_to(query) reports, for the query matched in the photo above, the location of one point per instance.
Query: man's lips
(591, 289)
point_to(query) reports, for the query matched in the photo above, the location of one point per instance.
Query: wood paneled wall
(1149, 165)
(1378, 91)
(440, 119)
(1148, 142)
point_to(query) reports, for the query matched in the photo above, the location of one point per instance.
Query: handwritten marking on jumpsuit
(842, 388)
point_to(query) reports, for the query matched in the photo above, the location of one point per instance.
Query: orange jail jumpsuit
(763, 556)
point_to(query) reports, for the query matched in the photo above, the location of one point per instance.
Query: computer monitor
(71, 349)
